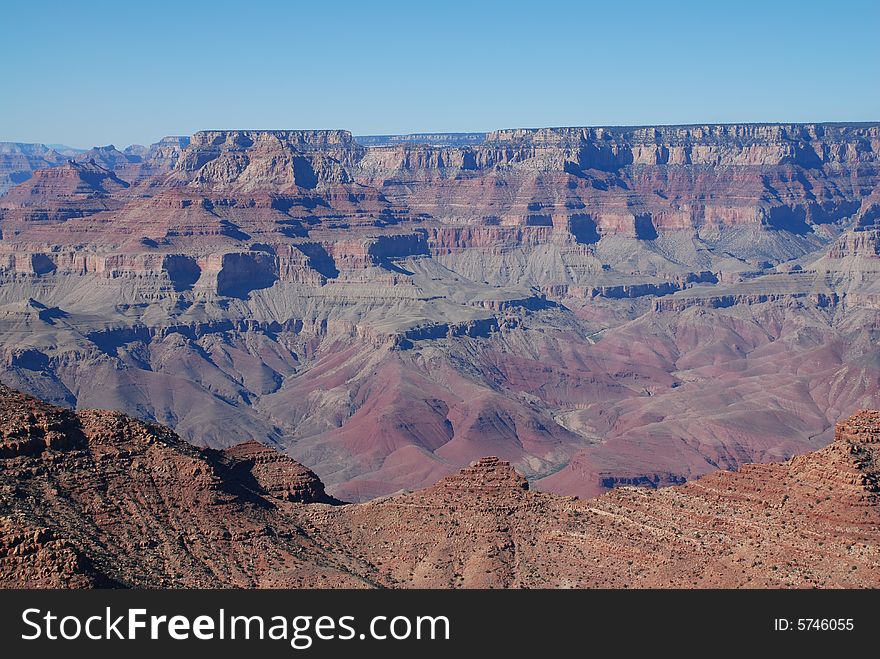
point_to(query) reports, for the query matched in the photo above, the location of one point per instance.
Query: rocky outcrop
(486, 475)
(71, 180)
(864, 243)
(375, 251)
(137, 163)
(119, 502)
(124, 165)
(861, 428)
(655, 288)
(809, 522)
(280, 160)
(123, 503)
(37, 558)
(275, 474)
(27, 427)
(680, 303)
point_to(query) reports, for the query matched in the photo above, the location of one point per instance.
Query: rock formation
(18, 161)
(96, 499)
(100, 499)
(598, 306)
(275, 474)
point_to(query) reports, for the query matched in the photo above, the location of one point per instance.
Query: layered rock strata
(97, 499)
(387, 313)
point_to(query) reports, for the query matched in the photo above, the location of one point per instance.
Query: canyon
(597, 307)
(99, 499)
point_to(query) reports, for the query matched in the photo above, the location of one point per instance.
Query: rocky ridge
(19, 161)
(98, 499)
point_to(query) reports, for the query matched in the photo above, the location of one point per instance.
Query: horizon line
(859, 123)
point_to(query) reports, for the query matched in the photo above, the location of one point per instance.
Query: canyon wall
(389, 312)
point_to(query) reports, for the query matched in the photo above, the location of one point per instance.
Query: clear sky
(94, 73)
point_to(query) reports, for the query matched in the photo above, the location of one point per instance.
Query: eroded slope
(100, 499)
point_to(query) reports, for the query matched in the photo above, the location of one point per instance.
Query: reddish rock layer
(54, 195)
(121, 502)
(128, 504)
(276, 474)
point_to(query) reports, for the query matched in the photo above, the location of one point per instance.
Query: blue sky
(88, 73)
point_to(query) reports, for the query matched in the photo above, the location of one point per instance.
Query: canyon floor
(98, 499)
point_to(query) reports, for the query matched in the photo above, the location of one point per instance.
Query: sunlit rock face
(99, 499)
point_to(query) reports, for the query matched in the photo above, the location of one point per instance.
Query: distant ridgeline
(431, 139)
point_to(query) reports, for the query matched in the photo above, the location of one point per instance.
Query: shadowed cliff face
(98, 499)
(598, 306)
